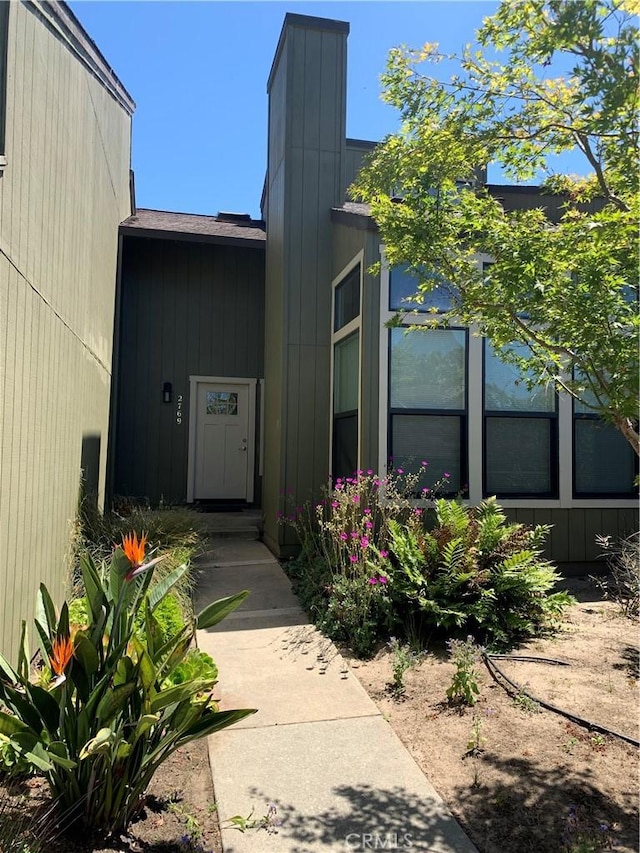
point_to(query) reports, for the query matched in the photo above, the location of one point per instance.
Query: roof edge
(291, 19)
(190, 237)
(59, 17)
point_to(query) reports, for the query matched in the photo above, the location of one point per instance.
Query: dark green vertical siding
(574, 531)
(188, 309)
(307, 94)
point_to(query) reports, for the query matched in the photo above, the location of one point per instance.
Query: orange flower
(134, 552)
(61, 654)
(134, 548)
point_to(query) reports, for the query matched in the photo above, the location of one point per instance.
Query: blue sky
(198, 71)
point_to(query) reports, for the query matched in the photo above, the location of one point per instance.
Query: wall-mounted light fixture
(166, 392)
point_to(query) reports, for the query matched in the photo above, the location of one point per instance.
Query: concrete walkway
(318, 748)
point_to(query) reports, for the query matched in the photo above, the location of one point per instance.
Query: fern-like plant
(475, 572)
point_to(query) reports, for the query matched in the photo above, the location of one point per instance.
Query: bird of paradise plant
(107, 720)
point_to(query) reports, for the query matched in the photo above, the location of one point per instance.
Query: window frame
(523, 414)
(461, 414)
(593, 418)
(565, 498)
(350, 328)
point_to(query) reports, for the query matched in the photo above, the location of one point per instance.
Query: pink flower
(417, 512)
(355, 534)
(446, 474)
(384, 554)
(344, 537)
(424, 464)
(364, 542)
(366, 511)
(400, 470)
(426, 491)
(339, 487)
(353, 558)
(372, 581)
(368, 525)
(369, 471)
(356, 499)
(382, 579)
(335, 504)
(359, 473)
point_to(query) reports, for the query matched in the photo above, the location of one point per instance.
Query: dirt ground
(511, 771)
(180, 803)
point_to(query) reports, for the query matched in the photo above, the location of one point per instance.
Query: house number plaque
(179, 409)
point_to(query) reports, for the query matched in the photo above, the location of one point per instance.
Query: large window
(346, 300)
(346, 372)
(403, 286)
(520, 432)
(604, 461)
(427, 404)
(346, 367)
(448, 400)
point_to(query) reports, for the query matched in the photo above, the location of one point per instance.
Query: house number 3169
(179, 409)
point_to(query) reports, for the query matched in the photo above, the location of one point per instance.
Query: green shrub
(623, 583)
(106, 719)
(341, 575)
(464, 684)
(370, 567)
(195, 665)
(474, 572)
(179, 532)
(168, 614)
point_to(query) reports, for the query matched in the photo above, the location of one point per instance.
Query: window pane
(505, 389)
(347, 299)
(403, 285)
(428, 369)
(434, 439)
(518, 458)
(604, 459)
(345, 446)
(345, 375)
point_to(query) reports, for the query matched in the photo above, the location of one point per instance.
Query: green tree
(567, 290)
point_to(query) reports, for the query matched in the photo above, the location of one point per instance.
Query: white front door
(223, 451)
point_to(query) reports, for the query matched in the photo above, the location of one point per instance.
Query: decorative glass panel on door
(222, 403)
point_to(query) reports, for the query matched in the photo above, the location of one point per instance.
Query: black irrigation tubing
(494, 668)
(553, 661)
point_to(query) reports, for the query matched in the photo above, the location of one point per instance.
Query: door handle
(244, 447)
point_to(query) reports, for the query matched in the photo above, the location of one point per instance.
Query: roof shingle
(167, 222)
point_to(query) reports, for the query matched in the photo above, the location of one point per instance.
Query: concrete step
(232, 525)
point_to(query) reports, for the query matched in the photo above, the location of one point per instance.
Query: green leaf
(46, 706)
(219, 610)
(11, 725)
(93, 588)
(23, 654)
(63, 622)
(86, 654)
(174, 695)
(57, 752)
(46, 611)
(160, 589)
(113, 701)
(213, 723)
